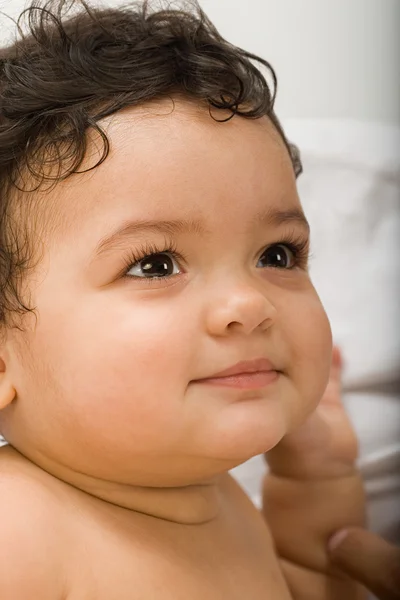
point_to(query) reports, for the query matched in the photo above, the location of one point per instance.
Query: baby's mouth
(253, 374)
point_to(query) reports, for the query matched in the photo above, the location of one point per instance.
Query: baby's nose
(240, 309)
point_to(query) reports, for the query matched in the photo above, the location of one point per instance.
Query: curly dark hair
(77, 64)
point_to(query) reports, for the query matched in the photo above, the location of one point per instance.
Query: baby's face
(108, 383)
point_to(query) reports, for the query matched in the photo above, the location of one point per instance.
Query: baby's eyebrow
(275, 217)
(130, 228)
(271, 217)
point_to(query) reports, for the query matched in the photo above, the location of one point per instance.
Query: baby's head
(151, 237)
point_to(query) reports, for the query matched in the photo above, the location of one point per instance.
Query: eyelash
(137, 255)
(298, 246)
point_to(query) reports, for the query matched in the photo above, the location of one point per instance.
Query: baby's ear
(7, 390)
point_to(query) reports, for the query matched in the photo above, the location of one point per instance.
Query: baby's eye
(160, 265)
(278, 256)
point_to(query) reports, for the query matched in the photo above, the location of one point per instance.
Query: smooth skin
(369, 559)
(313, 489)
(118, 458)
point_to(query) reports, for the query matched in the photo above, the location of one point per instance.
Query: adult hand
(368, 559)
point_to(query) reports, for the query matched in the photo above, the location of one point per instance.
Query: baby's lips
(245, 366)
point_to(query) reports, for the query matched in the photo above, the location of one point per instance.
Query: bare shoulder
(30, 551)
(24, 489)
(242, 502)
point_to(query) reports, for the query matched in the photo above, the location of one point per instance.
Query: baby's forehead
(179, 115)
(164, 149)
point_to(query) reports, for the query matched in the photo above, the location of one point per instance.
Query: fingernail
(337, 539)
(337, 358)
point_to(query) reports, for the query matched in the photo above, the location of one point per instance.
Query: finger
(308, 584)
(332, 394)
(369, 559)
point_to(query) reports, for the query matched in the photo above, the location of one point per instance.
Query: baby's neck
(190, 505)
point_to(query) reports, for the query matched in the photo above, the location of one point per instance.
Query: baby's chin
(245, 430)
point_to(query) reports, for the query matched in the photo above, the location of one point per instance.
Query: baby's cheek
(320, 351)
(312, 347)
(159, 348)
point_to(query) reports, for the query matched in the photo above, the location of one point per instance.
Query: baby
(158, 323)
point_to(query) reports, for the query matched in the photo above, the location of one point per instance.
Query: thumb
(368, 559)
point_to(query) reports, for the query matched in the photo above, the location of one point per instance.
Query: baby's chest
(236, 565)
